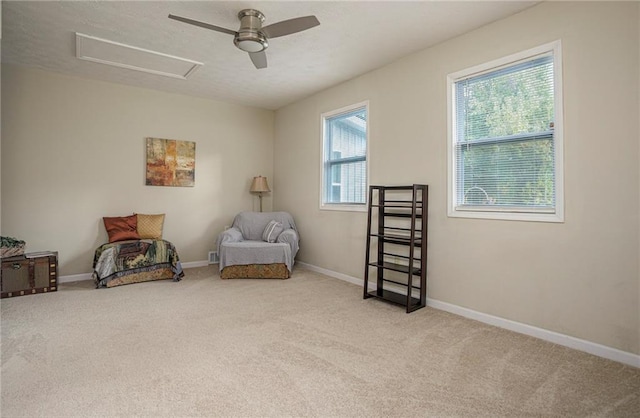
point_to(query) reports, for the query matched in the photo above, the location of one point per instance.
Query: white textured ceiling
(353, 38)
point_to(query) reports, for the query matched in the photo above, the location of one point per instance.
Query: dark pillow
(121, 228)
(271, 231)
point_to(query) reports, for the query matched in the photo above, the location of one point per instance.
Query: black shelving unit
(397, 235)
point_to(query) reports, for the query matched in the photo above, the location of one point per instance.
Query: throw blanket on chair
(244, 244)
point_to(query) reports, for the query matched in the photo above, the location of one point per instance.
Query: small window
(505, 138)
(344, 158)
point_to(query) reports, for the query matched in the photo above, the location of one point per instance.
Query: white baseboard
(193, 264)
(331, 273)
(74, 278)
(87, 276)
(543, 334)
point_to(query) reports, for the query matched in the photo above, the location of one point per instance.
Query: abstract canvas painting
(171, 162)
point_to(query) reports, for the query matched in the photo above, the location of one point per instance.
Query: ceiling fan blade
(259, 59)
(203, 25)
(287, 27)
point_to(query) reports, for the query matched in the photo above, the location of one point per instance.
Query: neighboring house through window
(505, 138)
(344, 158)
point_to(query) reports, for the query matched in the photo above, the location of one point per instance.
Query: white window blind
(504, 153)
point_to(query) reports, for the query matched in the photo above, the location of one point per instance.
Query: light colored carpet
(307, 346)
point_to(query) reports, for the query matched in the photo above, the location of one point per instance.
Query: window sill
(344, 208)
(508, 216)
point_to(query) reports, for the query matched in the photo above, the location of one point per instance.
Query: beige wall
(0, 119)
(73, 151)
(578, 278)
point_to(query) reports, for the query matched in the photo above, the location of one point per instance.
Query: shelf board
(396, 298)
(395, 255)
(418, 186)
(398, 239)
(396, 267)
(401, 215)
(395, 228)
(401, 231)
(400, 283)
(398, 204)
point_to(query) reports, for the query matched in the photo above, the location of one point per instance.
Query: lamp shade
(259, 185)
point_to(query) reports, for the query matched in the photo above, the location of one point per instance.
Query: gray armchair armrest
(290, 236)
(229, 235)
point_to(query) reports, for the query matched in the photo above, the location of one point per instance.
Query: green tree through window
(504, 142)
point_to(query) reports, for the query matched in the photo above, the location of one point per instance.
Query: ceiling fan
(252, 37)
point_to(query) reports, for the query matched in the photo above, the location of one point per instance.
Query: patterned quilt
(135, 261)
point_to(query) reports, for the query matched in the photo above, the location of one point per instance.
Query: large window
(344, 158)
(505, 138)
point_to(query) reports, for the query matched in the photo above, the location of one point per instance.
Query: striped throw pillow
(271, 231)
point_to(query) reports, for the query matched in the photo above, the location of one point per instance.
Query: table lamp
(259, 185)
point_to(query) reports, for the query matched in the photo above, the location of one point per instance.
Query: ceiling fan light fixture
(250, 46)
(251, 41)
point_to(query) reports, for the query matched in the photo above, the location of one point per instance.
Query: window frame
(348, 207)
(516, 214)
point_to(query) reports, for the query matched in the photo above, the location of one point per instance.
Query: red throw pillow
(121, 228)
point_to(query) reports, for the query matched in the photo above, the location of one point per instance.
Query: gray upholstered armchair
(258, 245)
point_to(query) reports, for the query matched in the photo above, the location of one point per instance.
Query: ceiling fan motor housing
(250, 38)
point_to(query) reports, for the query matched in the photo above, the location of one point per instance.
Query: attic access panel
(103, 51)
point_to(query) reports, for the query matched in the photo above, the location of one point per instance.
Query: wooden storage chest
(28, 274)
